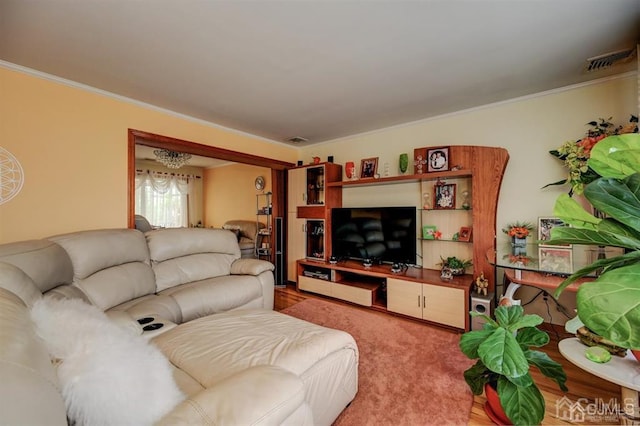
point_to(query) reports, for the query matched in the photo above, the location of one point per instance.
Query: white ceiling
(317, 69)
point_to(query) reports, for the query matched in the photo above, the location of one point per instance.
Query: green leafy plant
(453, 262)
(610, 305)
(504, 354)
(576, 155)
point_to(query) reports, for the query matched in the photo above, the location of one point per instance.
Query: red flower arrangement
(518, 229)
(575, 155)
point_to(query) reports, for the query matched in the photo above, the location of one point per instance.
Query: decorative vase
(349, 168)
(518, 242)
(403, 163)
(493, 407)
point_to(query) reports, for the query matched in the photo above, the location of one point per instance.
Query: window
(163, 198)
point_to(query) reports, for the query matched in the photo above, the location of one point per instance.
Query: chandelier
(171, 159)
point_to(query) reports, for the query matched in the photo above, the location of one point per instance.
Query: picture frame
(465, 234)
(444, 196)
(438, 159)
(428, 232)
(555, 260)
(419, 160)
(368, 167)
(545, 225)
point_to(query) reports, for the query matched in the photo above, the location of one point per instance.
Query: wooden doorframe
(278, 167)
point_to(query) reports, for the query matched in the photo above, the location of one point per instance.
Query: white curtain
(163, 198)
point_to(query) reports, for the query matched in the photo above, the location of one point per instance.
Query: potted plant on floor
(610, 305)
(504, 357)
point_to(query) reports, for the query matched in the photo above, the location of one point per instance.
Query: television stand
(414, 292)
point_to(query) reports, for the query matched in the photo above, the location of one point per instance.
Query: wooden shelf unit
(350, 280)
(414, 292)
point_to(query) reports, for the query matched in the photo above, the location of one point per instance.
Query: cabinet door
(404, 297)
(297, 188)
(444, 305)
(296, 240)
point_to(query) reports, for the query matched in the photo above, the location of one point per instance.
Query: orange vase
(349, 167)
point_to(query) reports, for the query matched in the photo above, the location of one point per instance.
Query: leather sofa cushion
(184, 255)
(45, 262)
(213, 295)
(110, 266)
(29, 393)
(16, 281)
(248, 228)
(202, 347)
(195, 267)
(171, 243)
(153, 305)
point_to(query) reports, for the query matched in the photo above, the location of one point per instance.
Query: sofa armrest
(245, 398)
(250, 267)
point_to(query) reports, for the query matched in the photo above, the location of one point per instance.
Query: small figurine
(482, 284)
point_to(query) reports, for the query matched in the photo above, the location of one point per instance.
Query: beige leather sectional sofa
(209, 311)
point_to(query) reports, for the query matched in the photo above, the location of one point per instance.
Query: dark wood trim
(159, 141)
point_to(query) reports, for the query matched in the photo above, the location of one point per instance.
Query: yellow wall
(528, 128)
(72, 145)
(230, 193)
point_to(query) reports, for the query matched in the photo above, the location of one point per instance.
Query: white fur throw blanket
(109, 376)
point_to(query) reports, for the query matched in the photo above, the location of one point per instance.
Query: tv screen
(382, 234)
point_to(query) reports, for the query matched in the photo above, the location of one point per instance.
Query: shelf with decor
(401, 179)
(421, 292)
(264, 210)
(446, 220)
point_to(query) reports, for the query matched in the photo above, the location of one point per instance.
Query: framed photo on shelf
(545, 225)
(555, 260)
(438, 159)
(419, 160)
(429, 232)
(368, 167)
(444, 196)
(464, 234)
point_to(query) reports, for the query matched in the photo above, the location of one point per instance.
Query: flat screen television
(382, 234)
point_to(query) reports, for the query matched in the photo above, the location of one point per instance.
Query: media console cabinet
(413, 292)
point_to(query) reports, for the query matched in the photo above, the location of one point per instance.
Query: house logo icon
(570, 411)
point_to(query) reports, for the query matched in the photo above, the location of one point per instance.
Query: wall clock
(259, 183)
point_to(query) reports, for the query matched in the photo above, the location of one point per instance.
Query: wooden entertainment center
(415, 292)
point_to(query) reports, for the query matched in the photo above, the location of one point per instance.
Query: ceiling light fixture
(171, 159)
(297, 139)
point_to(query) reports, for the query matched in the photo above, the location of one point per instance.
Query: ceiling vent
(297, 139)
(608, 60)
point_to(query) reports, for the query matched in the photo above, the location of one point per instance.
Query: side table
(621, 371)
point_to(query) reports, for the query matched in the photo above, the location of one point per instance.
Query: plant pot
(636, 353)
(518, 242)
(493, 408)
(457, 271)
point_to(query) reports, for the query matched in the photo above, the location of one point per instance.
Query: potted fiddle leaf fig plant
(504, 357)
(609, 305)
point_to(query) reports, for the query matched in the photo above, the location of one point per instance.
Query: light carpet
(409, 373)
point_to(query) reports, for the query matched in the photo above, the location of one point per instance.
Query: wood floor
(580, 383)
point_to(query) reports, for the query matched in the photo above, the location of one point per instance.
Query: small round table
(621, 371)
